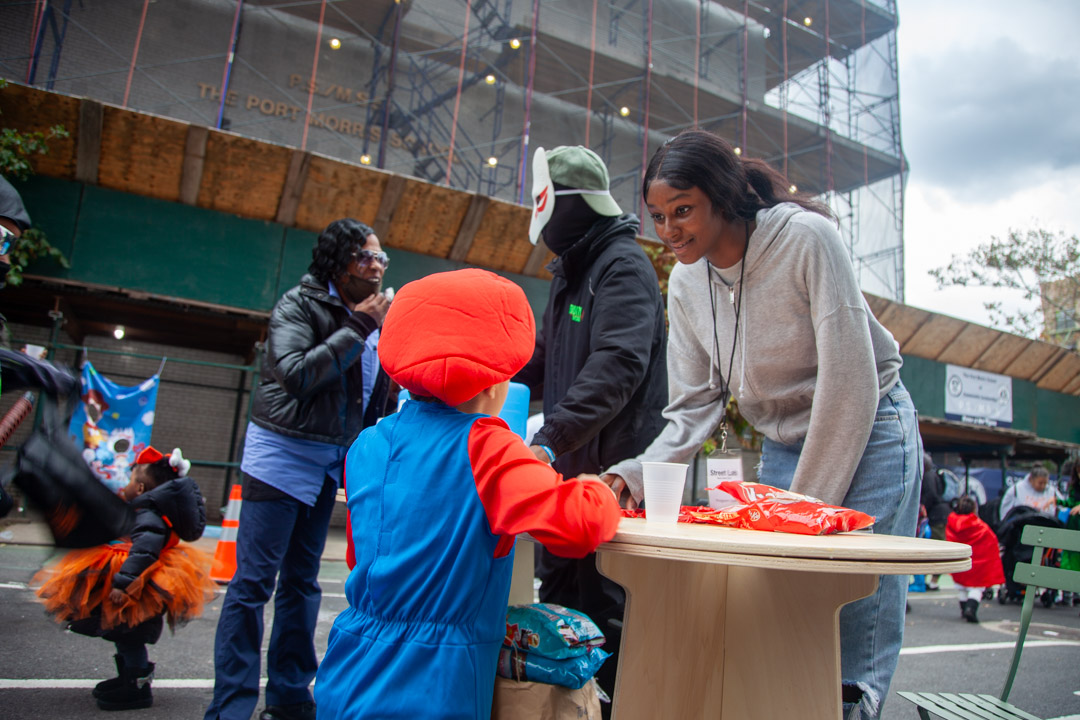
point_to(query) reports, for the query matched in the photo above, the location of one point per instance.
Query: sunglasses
(6, 239)
(366, 257)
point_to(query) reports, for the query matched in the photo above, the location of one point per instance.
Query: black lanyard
(725, 383)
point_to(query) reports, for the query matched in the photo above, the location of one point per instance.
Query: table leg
(711, 641)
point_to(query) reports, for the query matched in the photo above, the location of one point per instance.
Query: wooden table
(741, 624)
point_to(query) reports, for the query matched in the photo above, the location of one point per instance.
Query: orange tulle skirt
(177, 585)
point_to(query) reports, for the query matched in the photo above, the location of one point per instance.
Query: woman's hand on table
(618, 486)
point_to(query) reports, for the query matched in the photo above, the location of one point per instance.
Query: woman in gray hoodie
(764, 306)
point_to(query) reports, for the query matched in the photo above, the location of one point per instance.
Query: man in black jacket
(319, 369)
(599, 358)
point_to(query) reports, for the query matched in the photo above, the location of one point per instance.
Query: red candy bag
(763, 507)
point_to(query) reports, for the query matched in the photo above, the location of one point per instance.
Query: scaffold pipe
(457, 97)
(314, 71)
(226, 75)
(528, 106)
(135, 52)
(645, 118)
(697, 58)
(592, 64)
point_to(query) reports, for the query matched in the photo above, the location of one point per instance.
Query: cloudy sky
(990, 117)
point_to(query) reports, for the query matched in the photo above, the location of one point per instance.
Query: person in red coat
(965, 526)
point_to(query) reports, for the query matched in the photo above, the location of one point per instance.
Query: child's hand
(597, 478)
(117, 596)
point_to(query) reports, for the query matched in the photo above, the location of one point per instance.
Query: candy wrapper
(763, 507)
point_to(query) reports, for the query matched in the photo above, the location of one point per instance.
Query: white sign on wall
(979, 397)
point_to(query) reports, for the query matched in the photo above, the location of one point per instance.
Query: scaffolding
(461, 92)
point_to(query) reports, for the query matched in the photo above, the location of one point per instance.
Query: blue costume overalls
(427, 596)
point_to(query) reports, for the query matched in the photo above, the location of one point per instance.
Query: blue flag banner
(113, 424)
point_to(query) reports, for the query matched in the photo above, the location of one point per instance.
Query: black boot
(299, 711)
(106, 686)
(132, 692)
(969, 610)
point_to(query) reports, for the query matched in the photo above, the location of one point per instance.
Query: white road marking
(217, 591)
(975, 647)
(79, 684)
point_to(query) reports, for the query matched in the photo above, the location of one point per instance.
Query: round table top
(696, 541)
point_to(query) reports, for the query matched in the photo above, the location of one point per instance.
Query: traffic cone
(225, 554)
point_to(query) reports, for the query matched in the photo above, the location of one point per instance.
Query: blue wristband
(550, 454)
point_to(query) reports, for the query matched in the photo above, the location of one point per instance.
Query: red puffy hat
(452, 334)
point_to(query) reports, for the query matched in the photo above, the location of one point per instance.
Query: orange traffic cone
(225, 554)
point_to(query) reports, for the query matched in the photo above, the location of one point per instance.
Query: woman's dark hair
(966, 505)
(737, 187)
(334, 250)
(160, 472)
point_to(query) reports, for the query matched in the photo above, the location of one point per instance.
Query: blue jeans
(886, 485)
(279, 535)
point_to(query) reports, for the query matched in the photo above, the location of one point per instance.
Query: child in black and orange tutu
(125, 590)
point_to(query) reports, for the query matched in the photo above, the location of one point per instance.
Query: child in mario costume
(123, 590)
(437, 493)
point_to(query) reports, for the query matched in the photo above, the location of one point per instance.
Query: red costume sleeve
(521, 494)
(350, 550)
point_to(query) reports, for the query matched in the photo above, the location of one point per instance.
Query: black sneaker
(299, 711)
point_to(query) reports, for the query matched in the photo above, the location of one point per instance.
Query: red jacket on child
(971, 530)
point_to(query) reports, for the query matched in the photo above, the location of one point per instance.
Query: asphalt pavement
(46, 672)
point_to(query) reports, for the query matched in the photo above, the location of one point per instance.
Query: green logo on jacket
(575, 313)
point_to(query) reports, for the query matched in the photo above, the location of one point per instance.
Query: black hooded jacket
(174, 506)
(311, 385)
(600, 353)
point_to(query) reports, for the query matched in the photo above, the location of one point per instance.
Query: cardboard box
(516, 700)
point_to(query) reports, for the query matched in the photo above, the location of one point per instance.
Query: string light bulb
(738, 151)
(118, 333)
(490, 79)
(808, 21)
(793, 189)
(493, 161)
(624, 111)
(335, 43)
(515, 43)
(365, 159)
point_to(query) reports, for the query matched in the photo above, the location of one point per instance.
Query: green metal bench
(966, 706)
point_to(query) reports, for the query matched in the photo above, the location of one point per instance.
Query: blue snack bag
(571, 672)
(551, 631)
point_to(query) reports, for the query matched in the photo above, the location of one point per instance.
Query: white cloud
(987, 95)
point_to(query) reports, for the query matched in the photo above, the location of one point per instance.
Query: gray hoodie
(811, 362)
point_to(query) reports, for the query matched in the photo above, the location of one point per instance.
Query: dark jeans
(279, 538)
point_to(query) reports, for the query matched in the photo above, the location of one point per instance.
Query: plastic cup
(664, 483)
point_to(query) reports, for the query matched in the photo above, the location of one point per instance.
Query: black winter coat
(312, 382)
(600, 352)
(178, 500)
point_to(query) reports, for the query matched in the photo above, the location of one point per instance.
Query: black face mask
(4, 268)
(570, 221)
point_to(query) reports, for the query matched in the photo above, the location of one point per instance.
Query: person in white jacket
(1034, 491)
(764, 307)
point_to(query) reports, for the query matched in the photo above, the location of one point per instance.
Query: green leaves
(17, 150)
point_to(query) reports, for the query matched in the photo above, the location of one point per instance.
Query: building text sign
(974, 396)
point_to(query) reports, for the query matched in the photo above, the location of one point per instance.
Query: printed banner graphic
(113, 424)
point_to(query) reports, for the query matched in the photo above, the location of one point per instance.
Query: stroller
(1013, 551)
